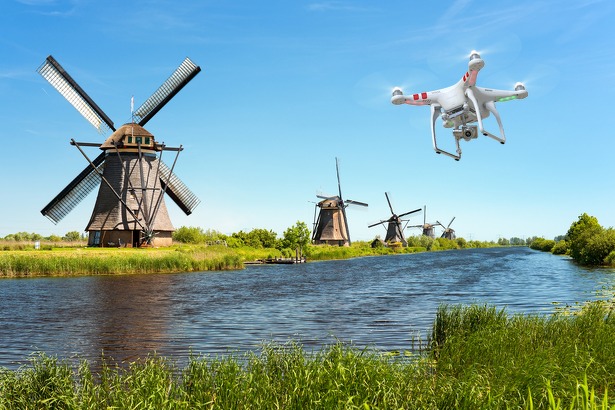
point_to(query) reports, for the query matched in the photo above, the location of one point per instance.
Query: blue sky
(288, 86)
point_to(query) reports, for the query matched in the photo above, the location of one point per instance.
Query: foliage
(515, 241)
(542, 244)
(579, 235)
(72, 236)
(503, 242)
(560, 248)
(478, 358)
(297, 235)
(257, 238)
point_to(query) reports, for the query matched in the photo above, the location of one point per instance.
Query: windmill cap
(126, 130)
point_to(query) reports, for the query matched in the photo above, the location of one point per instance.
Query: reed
(485, 359)
(97, 261)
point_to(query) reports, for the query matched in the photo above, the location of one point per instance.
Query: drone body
(462, 105)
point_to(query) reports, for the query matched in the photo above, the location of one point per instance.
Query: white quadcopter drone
(461, 105)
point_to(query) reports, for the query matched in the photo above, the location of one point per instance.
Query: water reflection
(383, 302)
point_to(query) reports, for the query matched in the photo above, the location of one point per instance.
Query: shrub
(560, 248)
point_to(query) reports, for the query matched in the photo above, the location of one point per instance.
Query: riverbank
(23, 260)
(477, 357)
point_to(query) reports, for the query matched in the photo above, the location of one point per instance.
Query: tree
(580, 234)
(261, 238)
(187, 234)
(297, 235)
(72, 236)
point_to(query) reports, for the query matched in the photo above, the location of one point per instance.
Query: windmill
(395, 231)
(449, 233)
(130, 208)
(331, 224)
(428, 229)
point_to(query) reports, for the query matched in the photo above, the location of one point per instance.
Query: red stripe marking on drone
(415, 97)
(424, 96)
(465, 77)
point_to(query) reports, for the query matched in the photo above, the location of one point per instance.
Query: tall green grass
(478, 358)
(96, 261)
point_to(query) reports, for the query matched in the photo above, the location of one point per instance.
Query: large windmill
(395, 230)
(427, 228)
(449, 233)
(331, 224)
(130, 208)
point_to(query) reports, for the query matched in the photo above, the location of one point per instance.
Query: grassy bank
(478, 357)
(21, 259)
(97, 261)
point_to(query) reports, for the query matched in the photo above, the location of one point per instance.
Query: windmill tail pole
(73, 142)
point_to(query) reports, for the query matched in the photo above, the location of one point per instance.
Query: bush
(560, 248)
(189, 235)
(542, 244)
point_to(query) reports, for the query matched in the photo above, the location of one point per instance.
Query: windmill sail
(180, 77)
(75, 191)
(177, 190)
(53, 72)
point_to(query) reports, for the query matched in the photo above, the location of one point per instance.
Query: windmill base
(126, 239)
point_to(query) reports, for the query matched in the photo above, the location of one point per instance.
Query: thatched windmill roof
(127, 130)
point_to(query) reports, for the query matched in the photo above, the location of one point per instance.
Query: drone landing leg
(490, 105)
(435, 113)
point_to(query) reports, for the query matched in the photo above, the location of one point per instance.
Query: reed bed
(97, 261)
(478, 358)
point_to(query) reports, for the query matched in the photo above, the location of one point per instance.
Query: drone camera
(467, 133)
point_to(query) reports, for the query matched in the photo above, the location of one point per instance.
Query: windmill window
(138, 140)
(96, 239)
(130, 140)
(146, 140)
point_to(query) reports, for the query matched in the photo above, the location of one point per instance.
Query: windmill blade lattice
(55, 74)
(177, 190)
(180, 77)
(75, 191)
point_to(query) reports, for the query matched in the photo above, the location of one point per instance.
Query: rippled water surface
(382, 302)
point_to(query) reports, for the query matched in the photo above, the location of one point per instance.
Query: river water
(381, 302)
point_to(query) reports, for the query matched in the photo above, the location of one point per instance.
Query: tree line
(586, 242)
(296, 236)
(72, 236)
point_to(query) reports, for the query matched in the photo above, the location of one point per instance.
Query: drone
(461, 105)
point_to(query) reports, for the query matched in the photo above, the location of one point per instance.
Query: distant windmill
(130, 208)
(330, 223)
(449, 233)
(428, 229)
(395, 230)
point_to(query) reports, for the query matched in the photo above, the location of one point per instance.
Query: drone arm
(435, 113)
